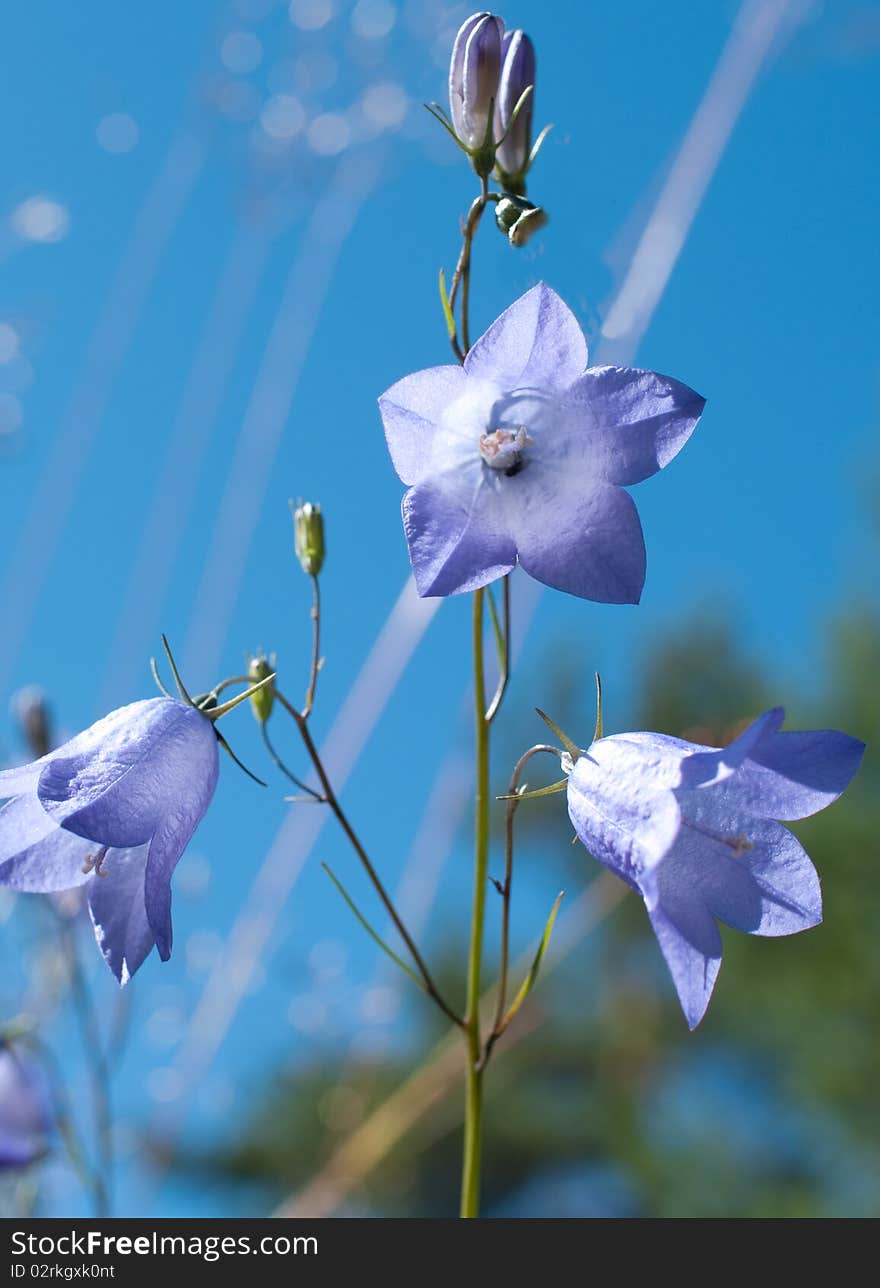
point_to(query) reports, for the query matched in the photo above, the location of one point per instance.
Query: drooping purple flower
(25, 1108)
(521, 455)
(113, 808)
(517, 74)
(695, 830)
(474, 71)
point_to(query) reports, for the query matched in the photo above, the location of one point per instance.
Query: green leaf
(497, 629)
(369, 929)
(447, 309)
(529, 981)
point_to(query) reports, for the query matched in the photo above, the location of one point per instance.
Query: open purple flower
(25, 1109)
(694, 830)
(114, 808)
(521, 455)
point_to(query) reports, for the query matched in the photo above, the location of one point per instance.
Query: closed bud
(519, 219)
(308, 537)
(513, 129)
(474, 72)
(259, 667)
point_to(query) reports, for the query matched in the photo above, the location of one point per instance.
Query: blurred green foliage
(611, 1106)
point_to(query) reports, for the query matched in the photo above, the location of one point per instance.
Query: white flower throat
(502, 449)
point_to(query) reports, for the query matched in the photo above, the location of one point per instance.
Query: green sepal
(571, 747)
(539, 791)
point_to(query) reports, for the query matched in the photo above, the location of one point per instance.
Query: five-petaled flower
(114, 807)
(521, 455)
(25, 1108)
(694, 830)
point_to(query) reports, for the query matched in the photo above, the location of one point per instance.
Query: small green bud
(308, 537)
(519, 218)
(259, 667)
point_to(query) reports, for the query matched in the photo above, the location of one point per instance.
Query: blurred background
(220, 231)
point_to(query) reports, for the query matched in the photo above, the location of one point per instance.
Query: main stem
(473, 1114)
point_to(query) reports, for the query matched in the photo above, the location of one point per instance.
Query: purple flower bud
(474, 72)
(25, 1109)
(517, 74)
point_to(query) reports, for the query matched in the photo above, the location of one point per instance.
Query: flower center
(502, 449)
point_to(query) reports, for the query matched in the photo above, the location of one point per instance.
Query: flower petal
(536, 343)
(706, 768)
(455, 531)
(36, 855)
(630, 423)
(165, 850)
(621, 809)
(586, 542)
(792, 775)
(15, 782)
(751, 872)
(690, 942)
(411, 411)
(160, 758)
(118, 912)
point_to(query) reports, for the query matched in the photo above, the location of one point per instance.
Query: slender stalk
(288, 773)
(470, 1178)
(316, 648)
(332, 800)
(99, 1074)
(462, 275)
(499, 1025)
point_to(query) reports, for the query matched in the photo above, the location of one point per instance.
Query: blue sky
(155, 156)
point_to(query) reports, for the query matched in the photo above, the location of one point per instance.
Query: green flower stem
(316, 647)
(473, 1114)
(99, 1076)
(513, 799)
(462, 275)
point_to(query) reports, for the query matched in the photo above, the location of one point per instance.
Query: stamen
(96, 863)
(501, 448)
(739, 844)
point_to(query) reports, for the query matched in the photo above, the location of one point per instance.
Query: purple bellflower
(25, 1109)
(694, 830)
(521, 455)
(113, 809)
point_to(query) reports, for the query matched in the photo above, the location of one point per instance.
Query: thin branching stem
(462, 275)
(316, 648)
(99, 1072)
(288, 773)
(331, 799)
(499, 1023)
